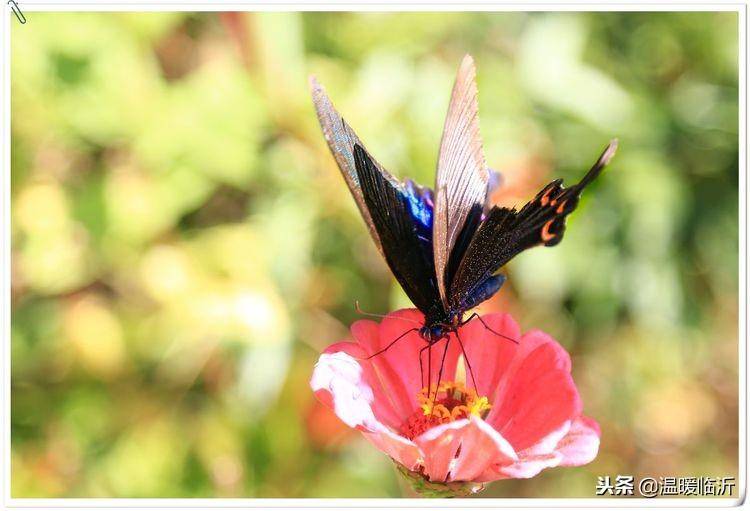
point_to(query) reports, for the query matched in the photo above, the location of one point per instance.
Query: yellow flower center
(443, 403)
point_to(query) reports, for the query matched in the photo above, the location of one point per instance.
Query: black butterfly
(444, 247)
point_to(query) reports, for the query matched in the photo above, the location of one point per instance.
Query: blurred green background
(183, 245)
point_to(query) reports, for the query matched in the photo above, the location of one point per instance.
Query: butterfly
(445, 246)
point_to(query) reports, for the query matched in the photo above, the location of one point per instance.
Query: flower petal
(481, 448)
(575, 443)
(581, 444)
(398, 367)
(338, 381)
(462, 450)
(381, 404)
(535, 421)
(535, 338)
(402, 450)
(533, 460)
(373, 338)
(549, 443)
(525, 467)
(537, 395)
(490, 355)
(439, 445)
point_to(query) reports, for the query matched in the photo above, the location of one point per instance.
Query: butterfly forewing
(406, 254)
(506, 232)
(462, 177)
(341, 140)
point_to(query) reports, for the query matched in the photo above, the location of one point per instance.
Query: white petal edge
(340, 375)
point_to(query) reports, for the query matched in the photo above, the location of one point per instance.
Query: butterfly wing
(398, 215)
(507, 232)
(341, 140)
(406, 251)
(462, 178)
(495, 181)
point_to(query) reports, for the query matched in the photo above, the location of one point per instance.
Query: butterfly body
(445, 246)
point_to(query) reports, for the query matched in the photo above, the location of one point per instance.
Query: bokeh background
(183, 245)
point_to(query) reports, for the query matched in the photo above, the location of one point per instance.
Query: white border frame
(383, 503)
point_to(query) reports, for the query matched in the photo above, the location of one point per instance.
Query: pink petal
(481, 448)
(537, 395)
(532, 460)
(338, 381)
(489, 354)
(477, 444)
(381, 404)
(535, 421)
(398, 367)
(535, 338)
(368, 335)
(439, 445)
(575, 443)
(549, 443)
(581, 444)
(524, 467)
(402, 450)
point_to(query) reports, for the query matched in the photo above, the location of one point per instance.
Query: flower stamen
(443, 403)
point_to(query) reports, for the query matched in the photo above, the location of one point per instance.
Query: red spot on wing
(545, 198)
(546, 235)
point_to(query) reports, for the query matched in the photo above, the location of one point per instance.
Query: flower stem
(434, 489)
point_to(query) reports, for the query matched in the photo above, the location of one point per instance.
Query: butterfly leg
(421, 370)
(475, 315)
(442, 361)
(468, 364)
(391, 343)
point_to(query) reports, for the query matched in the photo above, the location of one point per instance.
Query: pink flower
(524, 416)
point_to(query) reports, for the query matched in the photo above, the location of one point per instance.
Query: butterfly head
(433, 333)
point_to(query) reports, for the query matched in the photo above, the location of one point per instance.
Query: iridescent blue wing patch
(400, 214)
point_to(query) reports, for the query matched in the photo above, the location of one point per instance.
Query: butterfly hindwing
(506, 232)
(391, 210)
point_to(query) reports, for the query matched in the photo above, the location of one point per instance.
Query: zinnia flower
(523, 416)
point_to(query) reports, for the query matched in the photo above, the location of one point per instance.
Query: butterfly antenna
(390, 344)
(468, 364)
(371, 314)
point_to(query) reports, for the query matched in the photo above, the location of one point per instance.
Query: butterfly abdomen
(482, 292)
